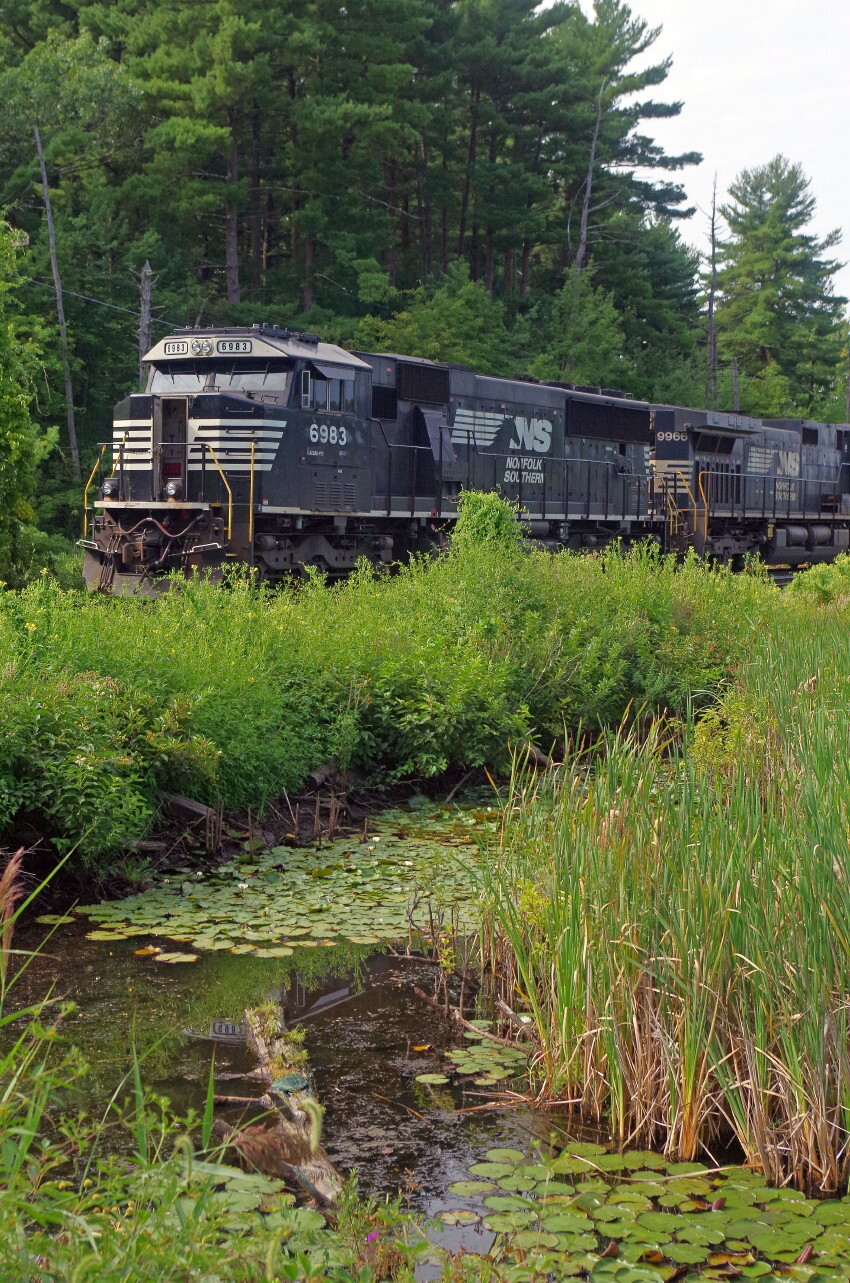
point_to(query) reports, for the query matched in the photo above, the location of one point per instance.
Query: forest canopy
(469, 180)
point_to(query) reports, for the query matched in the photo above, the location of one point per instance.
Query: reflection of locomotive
(268, 447)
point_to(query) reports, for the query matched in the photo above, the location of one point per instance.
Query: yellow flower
(31, 627)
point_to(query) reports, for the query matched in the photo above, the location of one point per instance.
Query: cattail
(11, 889)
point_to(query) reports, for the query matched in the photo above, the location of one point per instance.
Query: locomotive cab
(237, 433)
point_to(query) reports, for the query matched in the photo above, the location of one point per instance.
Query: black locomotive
(269, 447)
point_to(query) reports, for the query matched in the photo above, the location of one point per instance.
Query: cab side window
(334, 395)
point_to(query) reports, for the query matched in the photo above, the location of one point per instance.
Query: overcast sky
(758, 77)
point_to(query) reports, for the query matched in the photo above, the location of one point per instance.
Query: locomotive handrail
(205, 445)
(98, 462)
(251, 504)
(704, 496)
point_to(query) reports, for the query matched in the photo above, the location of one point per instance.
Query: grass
(237, 694)
(677, 920)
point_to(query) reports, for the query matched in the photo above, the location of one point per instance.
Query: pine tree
(586, 341)
(776, 306)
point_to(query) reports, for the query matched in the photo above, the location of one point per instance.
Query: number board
(233, 345)
(176, 347)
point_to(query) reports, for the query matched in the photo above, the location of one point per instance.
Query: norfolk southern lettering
(268, 447)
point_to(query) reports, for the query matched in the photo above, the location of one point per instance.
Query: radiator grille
(426, 383)
(607, 422)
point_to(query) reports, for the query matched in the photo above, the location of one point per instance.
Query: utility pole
(60, 312)
(146, 282)
(735, 405)
(711, 381)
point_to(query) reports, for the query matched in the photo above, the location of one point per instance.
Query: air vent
(811, 436)
(350, 494)
(384, 403)
(423, 383)
(710, 443)
(320, 494)
(607, 422)
(336, 495)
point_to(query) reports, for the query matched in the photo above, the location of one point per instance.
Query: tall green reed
(677, 921)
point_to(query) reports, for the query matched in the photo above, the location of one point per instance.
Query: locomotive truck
(267, 447)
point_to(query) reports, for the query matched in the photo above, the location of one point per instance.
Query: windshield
(220, 374)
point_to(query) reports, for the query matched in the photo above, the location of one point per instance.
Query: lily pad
(505, 1156)
(494, 1171)
(685, 1253)
(700, 1235)
(432, 1079)
(566, 1223)
(517, 1183)
(460, 1217)
(176, 957)
(659, 1220)
(505, 1222)
(529, 1239)
(507, 1203)
(471, 1189)
(303, 1218)
(55, 919)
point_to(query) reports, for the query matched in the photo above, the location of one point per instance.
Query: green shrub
(237, 692)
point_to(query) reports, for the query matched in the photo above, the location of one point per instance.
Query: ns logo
(532, 434)
(788, 464)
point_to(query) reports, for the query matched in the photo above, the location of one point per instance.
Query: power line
(48, 285)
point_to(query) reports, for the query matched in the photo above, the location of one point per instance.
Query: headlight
(202, 347)
(172, 489)
(109, 489)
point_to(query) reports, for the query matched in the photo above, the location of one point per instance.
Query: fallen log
(288, 1145)
(187, 811)
(454, 1015)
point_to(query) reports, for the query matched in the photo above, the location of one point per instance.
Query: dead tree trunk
(231, 222)
(588, 186)
(711, 381)
(146, 279)
(60, 313)
(470, 167)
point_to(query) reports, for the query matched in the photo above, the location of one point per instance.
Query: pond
(416, 1106)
